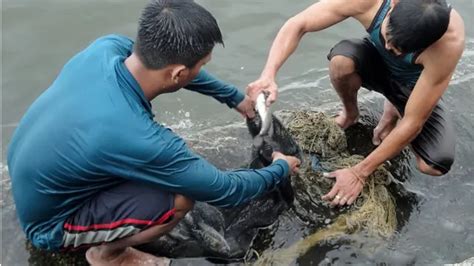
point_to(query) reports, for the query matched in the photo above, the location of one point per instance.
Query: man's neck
(152, 82)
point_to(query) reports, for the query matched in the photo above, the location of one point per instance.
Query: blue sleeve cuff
(284, 166)
(236, 99)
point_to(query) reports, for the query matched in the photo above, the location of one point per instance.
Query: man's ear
(178, 72)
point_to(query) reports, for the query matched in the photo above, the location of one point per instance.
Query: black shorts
(119, 212)
(435, 144)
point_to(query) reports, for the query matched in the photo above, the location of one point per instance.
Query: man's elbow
(231, 196)
(418, 127)
(296, 25)
(230, 202)
(414, 125)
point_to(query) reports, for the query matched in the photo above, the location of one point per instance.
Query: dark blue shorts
(119, 212)
(436, 142)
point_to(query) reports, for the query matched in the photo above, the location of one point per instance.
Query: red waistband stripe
(115, 224)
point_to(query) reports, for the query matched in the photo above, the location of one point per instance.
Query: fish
(270, 135)
(264, 114)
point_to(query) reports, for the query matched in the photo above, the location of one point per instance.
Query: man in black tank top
(409, 56)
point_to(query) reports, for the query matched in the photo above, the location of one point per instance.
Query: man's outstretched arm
(158, 156)
(315, 18)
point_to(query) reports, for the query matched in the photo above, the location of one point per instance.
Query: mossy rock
(39, 257)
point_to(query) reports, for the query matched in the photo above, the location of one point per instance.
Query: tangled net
(316, 133)
(374, 210)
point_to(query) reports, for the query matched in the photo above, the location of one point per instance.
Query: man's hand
(292, 161)
(347, 188)
(246, 108)
(263, 84)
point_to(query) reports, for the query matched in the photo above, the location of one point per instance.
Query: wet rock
(467, 262)
(40, 257)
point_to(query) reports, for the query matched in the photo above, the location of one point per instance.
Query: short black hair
(175, 32)
(416, 24)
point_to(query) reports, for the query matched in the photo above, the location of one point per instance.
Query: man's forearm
(392, 145)
(209, 85)
(283, 46)
(233, 188)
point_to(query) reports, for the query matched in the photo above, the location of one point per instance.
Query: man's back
(52, 155)
(93, 129)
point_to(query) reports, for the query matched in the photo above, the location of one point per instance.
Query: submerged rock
(467, 262)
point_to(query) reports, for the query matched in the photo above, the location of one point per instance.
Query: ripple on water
(5, 185)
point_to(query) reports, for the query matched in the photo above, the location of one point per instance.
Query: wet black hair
(175, 32)
(416, 24)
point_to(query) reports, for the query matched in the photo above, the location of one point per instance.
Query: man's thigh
(436, 142)
(368, 62)
(119, 212)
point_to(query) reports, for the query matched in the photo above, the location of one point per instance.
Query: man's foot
(381, 131)
(96, 257)
(345, 119)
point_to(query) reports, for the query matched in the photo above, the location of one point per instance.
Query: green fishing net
(324, 147)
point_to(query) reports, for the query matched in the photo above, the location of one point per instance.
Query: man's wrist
(361, 171)
(358, 176)
(268, 74)
(284, 165)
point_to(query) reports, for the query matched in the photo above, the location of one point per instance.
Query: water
(38, 37)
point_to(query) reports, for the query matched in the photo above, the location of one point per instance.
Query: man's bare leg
(347, 82)
(387, 122)
(121, 252)
(426, 168)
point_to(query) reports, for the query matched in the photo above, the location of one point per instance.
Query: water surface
(38, 37)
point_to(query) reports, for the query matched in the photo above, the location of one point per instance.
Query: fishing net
(324, 146)
(316, 133)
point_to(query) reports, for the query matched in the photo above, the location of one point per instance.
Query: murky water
(38, 37)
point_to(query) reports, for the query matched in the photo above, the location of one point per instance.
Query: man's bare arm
(317, 17)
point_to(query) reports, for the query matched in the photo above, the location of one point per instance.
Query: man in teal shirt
(89, 165)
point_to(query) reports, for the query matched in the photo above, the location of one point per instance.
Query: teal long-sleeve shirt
(93, 128)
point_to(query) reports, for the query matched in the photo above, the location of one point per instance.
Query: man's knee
(182, 205)
(429, 169)
(341, 68)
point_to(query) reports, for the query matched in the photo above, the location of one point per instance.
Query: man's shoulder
(362, 10)
(100, 51)
(456, 32)
(359, 7)
(366, 10)
(113, 42)
(114, 39)
(450, 46)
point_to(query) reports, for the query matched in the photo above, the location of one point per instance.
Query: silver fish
(264, 113)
